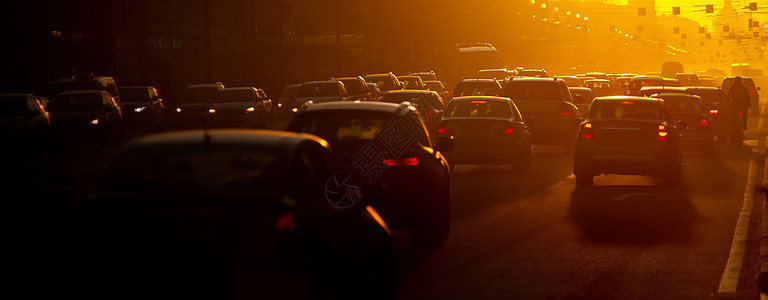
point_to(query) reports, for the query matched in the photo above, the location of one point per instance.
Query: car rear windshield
(318, 90)
(234, 96)
(344, 125)
(75, 85)
(353, 86)
(531, 90)
(14, 106)
(128, 95)
(478, 109)
(75, 102)
(625, 110)
(186, 168)
(476, 89)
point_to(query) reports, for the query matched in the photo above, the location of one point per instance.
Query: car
(637, 82)
(477, 87)
(688, 79)
(533, 73)
(498, 74)
(439, 87)
(412, 82)
(286, 103)
(714, 102)
(425, 75)
(428, 103)
(375, 91)
(86, 116)
(23, 119)
(486, 130)
(142, 108)
(620, 86)
(582, 98)
(321, 91)
(547, 109)
(598, 75)
(583, 79)
(708, 81)
(84, 81)
(754, 96)
(627, 135)
(385, 81)
(388, 144)
(216, 207)
(690, 110)
(599, 87)
(357, 88)
(194, 107)
(571, 81)
(647, 91)
(238, 107)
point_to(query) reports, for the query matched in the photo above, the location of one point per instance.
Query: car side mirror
(758, 88)
(444, 144)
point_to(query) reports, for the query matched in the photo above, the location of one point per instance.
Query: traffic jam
(607, 167)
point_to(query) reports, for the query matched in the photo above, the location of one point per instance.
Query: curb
(760, 196)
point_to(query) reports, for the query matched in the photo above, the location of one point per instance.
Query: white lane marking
(730, 280)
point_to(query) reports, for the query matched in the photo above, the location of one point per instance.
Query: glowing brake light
(442, 130)
(413, 161)
(285, 222)
(703, 123)
(477, 102)
(509, 131)
(564, 113)
(627, 102)
(586, 132)
(714, 112)
(751, 91)
(662, 134)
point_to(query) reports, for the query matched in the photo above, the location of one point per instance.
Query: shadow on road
(638, 215)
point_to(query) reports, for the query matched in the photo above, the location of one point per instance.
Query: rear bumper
(656, 160)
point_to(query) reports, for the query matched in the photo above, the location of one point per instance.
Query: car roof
(478, 80)
(409, 92)
(474, 98)
(239, 88)
(322, 82)
(15, 95)
(663, 87)
(579, 88)
(698, 87)
(352, 105)
(81, 92)
(627, 98)
(134, 87)
(552, 79)
(254, 137)
(674, 95)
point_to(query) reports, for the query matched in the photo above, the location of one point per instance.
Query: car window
(478, 109)
(625, 110)
(190, 168)
(353, 86)
(129, 95)
(476, 89)
(344, 125)
(76, 102)
(234, 96)
(15, 106)
(685, 105)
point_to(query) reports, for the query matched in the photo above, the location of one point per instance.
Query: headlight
(211, 111)
(140, 109)
(250, 109)
(294, 109)
(95, 122)
(178, 109)
(279, 105)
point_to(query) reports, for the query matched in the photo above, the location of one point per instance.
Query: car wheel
(584, 180)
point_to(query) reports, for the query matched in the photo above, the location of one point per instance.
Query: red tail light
(714, 112)
(703, 123)
(412, 161)
(509, 131)
(662, 133)
(751, 91)
(442, 130)
(285, 222)
(586, 131)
